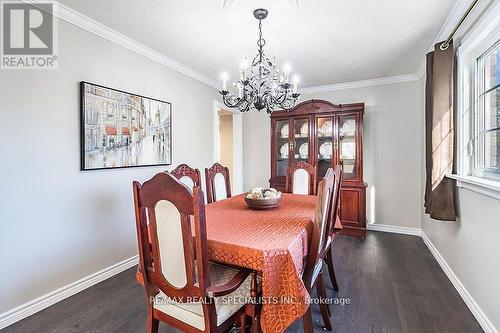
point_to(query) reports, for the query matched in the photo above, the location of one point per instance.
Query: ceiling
(325, 41)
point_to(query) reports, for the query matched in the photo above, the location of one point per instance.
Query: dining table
(273, 243)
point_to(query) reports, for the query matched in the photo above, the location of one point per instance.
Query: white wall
(392, 145)
(58, 224)
(256, 150)
(470, 245)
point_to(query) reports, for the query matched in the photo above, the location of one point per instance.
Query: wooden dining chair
(335, 225)
(301, 178)
(313, 272)
(183, 288)
(218, 183)
(187, 175)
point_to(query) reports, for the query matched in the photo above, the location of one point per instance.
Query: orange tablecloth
(273, 242)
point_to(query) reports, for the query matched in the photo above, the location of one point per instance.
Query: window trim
(487, 187)
(475, 44)
(480, 170)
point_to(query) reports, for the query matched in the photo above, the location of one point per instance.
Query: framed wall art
(121, 129)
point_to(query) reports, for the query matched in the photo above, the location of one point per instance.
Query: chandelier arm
(282, 97)
(226, 101)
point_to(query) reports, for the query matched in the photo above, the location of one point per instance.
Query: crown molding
(361, 84)
(452, 19)
(78, 19)
(421, 70)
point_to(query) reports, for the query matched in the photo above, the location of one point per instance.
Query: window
(478, 117)
(487, 129)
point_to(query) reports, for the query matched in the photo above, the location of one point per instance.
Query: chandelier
(261, 85)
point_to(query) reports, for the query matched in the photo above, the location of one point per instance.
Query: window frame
(478, 168)
(482, 38)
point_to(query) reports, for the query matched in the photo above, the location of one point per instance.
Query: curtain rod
(445, 45)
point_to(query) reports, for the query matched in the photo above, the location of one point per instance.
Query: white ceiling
(325, 41)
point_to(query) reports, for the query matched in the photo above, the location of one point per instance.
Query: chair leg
(256, 319)
(331, 270)
(152, 326)
(323, 307)
(256, 306)
(243, 322)
(308, 321)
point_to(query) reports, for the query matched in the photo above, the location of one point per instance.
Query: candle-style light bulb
(286, 71)
(224, 77)
(243, 68)
(240, 91)
(295, 83)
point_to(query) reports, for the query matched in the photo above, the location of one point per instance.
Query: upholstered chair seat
(225, 307)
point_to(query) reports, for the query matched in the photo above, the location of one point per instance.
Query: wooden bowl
(261, 204)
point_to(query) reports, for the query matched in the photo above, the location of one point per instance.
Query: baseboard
(480, 316)
(36, 305)
(394, 229)
(478, 313)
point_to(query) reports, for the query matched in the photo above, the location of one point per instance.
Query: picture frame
(123, 130)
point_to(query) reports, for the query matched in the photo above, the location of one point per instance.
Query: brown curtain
(439, 134)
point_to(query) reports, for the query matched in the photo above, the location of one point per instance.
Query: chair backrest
(164, 209)
(218, 183)
(321, 222)
(335, 208)
(187, 175)
(301, 178)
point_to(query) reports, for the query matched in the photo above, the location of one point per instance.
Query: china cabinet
(324, 135)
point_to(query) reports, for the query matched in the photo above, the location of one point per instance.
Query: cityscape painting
(121, 129)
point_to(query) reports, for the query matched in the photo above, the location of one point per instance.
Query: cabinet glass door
(300, 143)
(347, 145)
(324, 144)
(282, 148)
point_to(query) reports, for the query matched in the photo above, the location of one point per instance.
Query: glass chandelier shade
(261, 85)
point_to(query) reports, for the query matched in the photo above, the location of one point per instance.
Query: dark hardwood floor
(393, 283)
